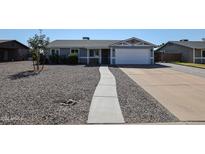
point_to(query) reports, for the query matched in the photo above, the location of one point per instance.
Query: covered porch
(98, 56)
(199, 56)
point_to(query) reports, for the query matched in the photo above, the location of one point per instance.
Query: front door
(105, 56)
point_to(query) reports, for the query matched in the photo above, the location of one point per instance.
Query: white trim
(100, 56)
(199, 57)
(111, 56)
(152, 56)
(134, 38)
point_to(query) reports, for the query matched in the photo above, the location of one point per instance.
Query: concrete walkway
(105, 106)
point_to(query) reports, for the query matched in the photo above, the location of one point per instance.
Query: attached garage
(132, 56)
(132, 51)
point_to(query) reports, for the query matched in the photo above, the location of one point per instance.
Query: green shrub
(73, 59)
(54, 59)
(63, 60)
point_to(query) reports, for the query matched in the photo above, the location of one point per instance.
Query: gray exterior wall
(187, 53)
(82, 52)
(64, 51)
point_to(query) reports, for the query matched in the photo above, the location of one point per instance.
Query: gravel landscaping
(136, 104)
(61, 94)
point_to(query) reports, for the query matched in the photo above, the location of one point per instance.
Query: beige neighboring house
(191, 51)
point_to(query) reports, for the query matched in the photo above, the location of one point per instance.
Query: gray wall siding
(82, 52)
(187, 53)
(64, 51)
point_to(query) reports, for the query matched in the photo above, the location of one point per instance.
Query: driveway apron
(105, 106)
(181, 93)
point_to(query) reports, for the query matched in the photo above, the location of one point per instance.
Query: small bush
(73, 59)
(63, 60)
(54, 59)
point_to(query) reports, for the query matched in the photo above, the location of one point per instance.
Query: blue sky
(156, 36)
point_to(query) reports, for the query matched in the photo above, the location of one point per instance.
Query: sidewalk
(105, 106)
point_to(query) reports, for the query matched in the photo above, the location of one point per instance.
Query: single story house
(12, 50)
(129, 51)
(191, 51)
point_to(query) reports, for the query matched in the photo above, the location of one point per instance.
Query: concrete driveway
(181, 93)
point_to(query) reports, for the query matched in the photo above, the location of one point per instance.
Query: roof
(2, 41)
(5, 41)
(189, 44)
(82, 43)
(97, 43)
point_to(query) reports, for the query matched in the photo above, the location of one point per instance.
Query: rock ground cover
(61, 94)
(136, 104)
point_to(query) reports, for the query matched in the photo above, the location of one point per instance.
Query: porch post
(111, 56)
(100, 55)
(88, 56)
(201, 56)
(194, 55)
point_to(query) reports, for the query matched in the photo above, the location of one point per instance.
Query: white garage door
(132, 56)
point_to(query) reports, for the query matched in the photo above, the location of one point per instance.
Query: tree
(38, 45)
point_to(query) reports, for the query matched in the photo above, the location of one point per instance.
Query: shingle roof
(191, 44)
(97, 43)
(2, 41)
(82, 43)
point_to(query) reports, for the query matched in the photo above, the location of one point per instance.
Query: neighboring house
(12, 50)
(191, 51)
(130, 51)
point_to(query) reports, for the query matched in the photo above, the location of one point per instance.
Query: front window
(74, 51)
(54, 52)
(203, 53)
(94, 53)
